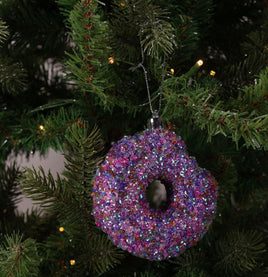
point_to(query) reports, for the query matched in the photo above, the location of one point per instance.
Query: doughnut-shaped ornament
(119, 194)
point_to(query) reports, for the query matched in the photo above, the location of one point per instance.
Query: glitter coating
(120, 206)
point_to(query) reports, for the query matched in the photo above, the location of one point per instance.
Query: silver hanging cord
(161, 86)
(147, 86)
(154, 112)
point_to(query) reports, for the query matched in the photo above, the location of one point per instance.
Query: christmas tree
(77, 76)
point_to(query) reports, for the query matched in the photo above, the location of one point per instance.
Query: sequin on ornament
(120, 206)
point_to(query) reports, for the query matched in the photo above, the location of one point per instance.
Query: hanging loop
(155, 121)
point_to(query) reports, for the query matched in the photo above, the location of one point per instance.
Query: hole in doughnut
(158, 194)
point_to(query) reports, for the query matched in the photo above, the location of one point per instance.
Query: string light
(111, 60)
(61, 229)
(199, 63)
(122, 5)
(72, 262)
(42, 127)
(172, 71)
(212, 73)
(4, 211)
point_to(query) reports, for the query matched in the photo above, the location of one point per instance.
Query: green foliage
(30, 64)
(187, 37)
(101, 83)
(227, 177)
(149, 22)
(254, 98)
(191, 21)
(145, 274)
(104, 255)
(215, 116)
(257, 197)
(13, 76)
(254, 58)
(244, 72)
(43, 188)
(94, 254)
(9, 187)
(55, 124)
(189, 263)
(82, 157)
(239, 252)
(212, 115)
(18, 257)
(89, 61)
(125, 44)
(156, 33)
(190, 274)
(70, 199)
(3, 32)
(9, 197)
(26, 37)
(33, 131)
(66, 6)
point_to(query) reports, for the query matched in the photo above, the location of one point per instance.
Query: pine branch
(99, 80)
(8, 176)
(125, 43)
(66, 6)
(157, 34)
(3, 31)
(9, 198)
(239, 252)
(243, 72)
(146, 274)
(19, 258)
(227, 176)
(148, 21)
(89, 61)
(189, 263)
(9, 189)
(254, 59)
(82, 161)
(92, 257)
(47, 32)
(49, 129)
(206, 112)
(187, 39)
(70, 199)
(13, 76)
(254, 98)
(83, 150)
(190, 274)
(104, 255)
(43, 188)
(94, 254)
(33, 131)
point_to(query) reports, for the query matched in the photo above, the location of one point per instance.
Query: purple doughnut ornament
(119, 195)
